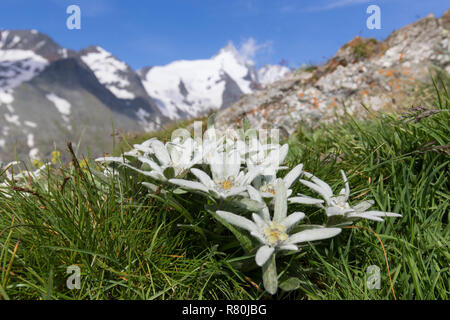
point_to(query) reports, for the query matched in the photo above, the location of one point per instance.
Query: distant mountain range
(50, 95)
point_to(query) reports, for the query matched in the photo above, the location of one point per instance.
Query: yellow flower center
(268, 188)
(275, 233)
(227, 184)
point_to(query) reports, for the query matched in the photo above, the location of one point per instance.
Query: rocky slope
(378, 75)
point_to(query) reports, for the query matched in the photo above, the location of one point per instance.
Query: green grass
(133, 244)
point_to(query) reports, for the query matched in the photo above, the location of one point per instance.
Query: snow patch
(14, 119)
(62, 105)
(6, 97)
(30, 140)
(18, 66)
(14, 41)
(30, 124)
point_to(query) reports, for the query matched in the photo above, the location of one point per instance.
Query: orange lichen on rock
(389, 73)
(316, 103)
(332, 104)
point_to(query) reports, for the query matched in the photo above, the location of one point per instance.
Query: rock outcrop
(363, 73)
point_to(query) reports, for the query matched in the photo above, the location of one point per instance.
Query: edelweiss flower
(210, 145)
(338, 205)
(268, 158)
(145, 148)
(227, 180)
(274, 234)
(178, 155)
(265, 184)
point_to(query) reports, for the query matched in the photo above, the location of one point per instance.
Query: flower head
(338, 205)
(273, 234)
(178, 155)
(226, 178)
(265, 184)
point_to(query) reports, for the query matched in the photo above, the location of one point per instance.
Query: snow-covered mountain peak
(110, 71)
(188, 88)
(231, 51)
(33, 40)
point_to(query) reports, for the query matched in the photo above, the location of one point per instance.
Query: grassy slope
(128, 244)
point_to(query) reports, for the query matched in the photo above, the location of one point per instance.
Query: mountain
(185, 88)
(363, 73)
(50, 95)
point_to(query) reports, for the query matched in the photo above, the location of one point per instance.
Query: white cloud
(250, 48)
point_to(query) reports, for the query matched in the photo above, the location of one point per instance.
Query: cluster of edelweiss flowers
(232, 167)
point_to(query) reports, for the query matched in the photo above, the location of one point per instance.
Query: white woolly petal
(261, 224)
(103, 159)
(283, 152)
(364, 215)
(232, 164)
(259, 236)
(154, 174)
(305, 200)
(203, 177)
(293, 175)
(384, 214)
(250, 176)
(263, 254)
(363, 205)
(234, 191)
(290, 247)
(347, 187)
(319, 189)
(153, 165)
(280, 207)
(161, 152)
(238, 221)
(322, 184)
(292, 219)
(217, 166)
(193, 185)
(254, 195)
(313, 234)
(336, 211)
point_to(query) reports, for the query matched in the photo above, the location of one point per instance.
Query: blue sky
(156, 32)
